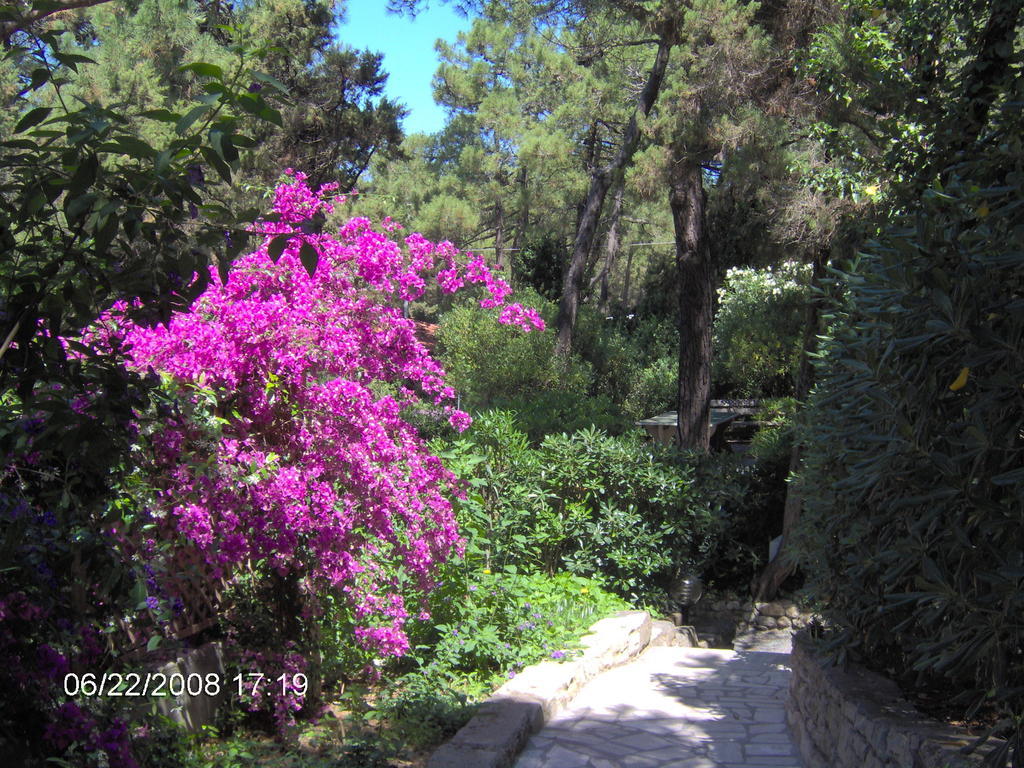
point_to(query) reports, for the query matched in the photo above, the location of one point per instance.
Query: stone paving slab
(674, 708)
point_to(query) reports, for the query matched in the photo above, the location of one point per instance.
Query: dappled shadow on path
(675, 708)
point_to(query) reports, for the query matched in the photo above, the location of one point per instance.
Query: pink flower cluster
(312, 466)
(280, 686)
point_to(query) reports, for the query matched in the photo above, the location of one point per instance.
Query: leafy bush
(491, 366)
(615, 508)
(635, 362)
(758, 330)
(485, 361)
(913, 531)
(487, 622)
(748, 500)
(654, 390)
(420, 713)
(619, 372)
(772, 443)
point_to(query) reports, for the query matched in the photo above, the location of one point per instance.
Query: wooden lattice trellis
(193, 587)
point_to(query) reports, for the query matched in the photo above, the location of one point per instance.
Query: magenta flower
(312, 466)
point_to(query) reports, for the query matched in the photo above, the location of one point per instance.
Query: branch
(33, 14)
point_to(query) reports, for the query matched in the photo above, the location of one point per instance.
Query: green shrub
(562, 411)
(497, 366)
(913, 529)
(747, 500)
(758, 330)
(485, 623)
(487, 361)
(616, 508)
(654, 390)
(419, 712)
(772, 444)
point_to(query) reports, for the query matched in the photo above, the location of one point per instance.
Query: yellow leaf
(982, 211)
(961, 380)
(871, 190)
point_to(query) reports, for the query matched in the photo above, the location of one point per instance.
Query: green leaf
(222, 168)
(221, 142)
(224, 270)
(203, 69)
(273, 82)
(163, 115)
(277, 246)
(40, 77)
(106, 233)
(154, 643)
(76, 206)
(84, 176)
(162, 162)
(1009, 478)
(31, 118)
(72, 60)
(133, 147)
(271, 115)
(193, 114)
(309, 257)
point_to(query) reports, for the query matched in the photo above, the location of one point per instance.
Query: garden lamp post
(686, 591)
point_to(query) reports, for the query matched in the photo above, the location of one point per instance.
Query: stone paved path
(675, 708)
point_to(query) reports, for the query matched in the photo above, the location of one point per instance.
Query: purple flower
(558, 654)
(52, 664)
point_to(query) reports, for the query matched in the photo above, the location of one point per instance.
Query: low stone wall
(722, 617)
(855, 718)
(504, 723)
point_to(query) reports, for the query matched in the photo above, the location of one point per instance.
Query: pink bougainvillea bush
(296, 373)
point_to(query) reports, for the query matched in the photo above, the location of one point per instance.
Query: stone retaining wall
(722, 617)
(855, 718)
(504, 723)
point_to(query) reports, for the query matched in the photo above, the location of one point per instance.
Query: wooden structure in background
(662, 428)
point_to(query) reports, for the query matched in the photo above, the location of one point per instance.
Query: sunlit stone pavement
(675, 708)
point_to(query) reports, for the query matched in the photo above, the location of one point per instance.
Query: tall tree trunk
(767, 585)
(626, 279)
(600, 182)
(612, 244)
(519, 238)
(499, 235)
(696, 303)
